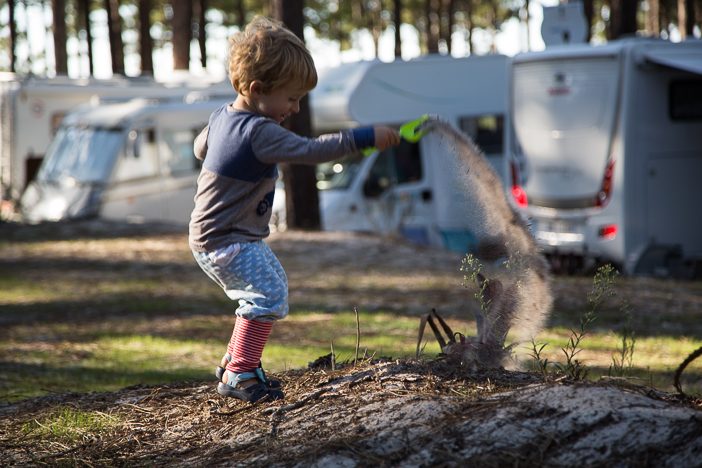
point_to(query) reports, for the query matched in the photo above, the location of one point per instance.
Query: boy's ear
(255, 87)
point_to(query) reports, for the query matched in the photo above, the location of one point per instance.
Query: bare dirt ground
(382, 412)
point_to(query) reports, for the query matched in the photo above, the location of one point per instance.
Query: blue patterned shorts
(250, 273)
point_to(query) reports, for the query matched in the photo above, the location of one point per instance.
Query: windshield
(81, 154)
(340, 174)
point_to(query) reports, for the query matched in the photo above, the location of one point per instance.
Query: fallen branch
(676, 380)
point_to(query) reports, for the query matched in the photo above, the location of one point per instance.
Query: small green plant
(472, 268)
(67, 424)
(538, 363)
(602, 288)
(573, 367)
(623, 360)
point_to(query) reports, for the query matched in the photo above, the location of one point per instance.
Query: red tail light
(606, 189)
(518, 193)
(520, 196)
(608, 231)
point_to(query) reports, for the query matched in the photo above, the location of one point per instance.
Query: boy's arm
(275, 144)
(200, 144)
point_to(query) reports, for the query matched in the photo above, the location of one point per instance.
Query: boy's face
(280, 103)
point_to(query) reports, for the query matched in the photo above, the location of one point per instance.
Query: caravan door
(134, 192)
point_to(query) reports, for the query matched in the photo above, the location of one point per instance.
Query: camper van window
(686, 100)
(398, 165)
(338, 175)
(80, 154)
(178, 154)
(486, 131)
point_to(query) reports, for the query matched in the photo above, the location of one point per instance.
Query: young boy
(271, 70)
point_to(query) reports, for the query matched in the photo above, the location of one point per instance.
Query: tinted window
(686, 100)
(487, 131)
(397, 165)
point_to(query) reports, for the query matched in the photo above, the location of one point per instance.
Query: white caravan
(31, 110)
(126, 161)
(611, 137)
(405, 190)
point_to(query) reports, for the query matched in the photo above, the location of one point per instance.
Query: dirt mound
(386, 413)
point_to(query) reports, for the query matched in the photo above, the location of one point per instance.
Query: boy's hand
(385, 137)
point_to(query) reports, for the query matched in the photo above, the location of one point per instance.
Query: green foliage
(472, 268)
(573, 367)
(539, 363)
(623, 360)
(67, 424)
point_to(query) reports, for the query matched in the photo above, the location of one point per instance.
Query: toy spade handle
(411, 131)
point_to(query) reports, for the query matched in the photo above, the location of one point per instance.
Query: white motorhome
(126, 161)
(32, 108)
(611, 138)
(405, 189)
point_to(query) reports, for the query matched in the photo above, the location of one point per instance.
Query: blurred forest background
(138, 28)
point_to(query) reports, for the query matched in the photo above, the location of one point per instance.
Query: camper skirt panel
(249, 273)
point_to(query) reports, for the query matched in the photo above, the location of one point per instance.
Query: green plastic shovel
(411, 131)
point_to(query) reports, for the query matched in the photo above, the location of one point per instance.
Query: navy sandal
(271, 383)
(253, 393)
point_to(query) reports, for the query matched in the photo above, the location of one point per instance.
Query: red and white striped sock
(247, 343)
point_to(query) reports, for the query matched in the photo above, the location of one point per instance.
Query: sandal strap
(233, 378)
(261, 375)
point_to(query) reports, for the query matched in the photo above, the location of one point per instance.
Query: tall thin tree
(58, 9)
(84, 14)
(622, 18)
(182, 33)
(13, 35)
(653, 23)
(201, 6)
(114, 31)
(301, 197)
(589, 12)
(431, 25)
(146, 42)
(397, 19)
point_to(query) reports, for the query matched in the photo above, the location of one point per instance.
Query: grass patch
(107, 356)
(102, 314)
(67, 424)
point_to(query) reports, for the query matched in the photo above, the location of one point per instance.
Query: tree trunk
(682, 19)
(653, 24)
(13, 35)
(114, 27)
(58, 8)
(469, 26)
(589, 11)
(623, 18)
(448, 8)
(397, 17)
(201, 6)
(84, 13)
(182, 33)
(431, 19)
(240, 14)
(146, 43)
(302, 200)
(691, 19)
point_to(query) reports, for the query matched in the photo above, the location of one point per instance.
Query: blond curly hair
(268, 52)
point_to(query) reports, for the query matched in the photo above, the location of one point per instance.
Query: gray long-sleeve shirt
(236, 185)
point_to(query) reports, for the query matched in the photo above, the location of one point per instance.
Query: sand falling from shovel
(506, 266)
